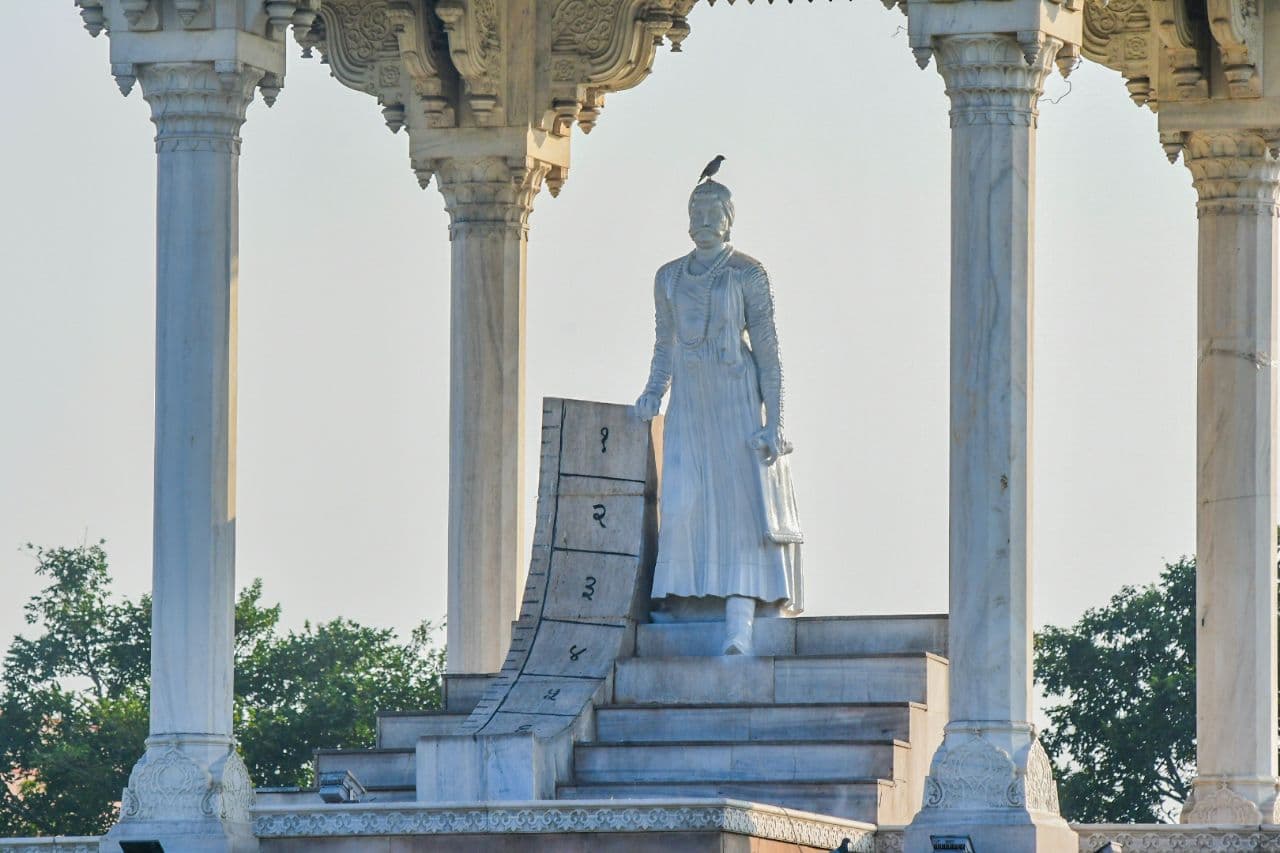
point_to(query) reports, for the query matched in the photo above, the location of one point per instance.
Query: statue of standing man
(729, 541)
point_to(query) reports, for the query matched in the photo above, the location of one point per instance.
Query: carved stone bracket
(971, 770)
(474, 28)
(1118, 34)
(601, 46)
(390, 49)
(1237, 28)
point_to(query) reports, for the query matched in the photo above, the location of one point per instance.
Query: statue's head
(710, 215)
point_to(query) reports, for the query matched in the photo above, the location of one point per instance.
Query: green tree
(1120, 685)
(74, 700)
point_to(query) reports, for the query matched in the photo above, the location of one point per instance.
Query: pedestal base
(992, 831)
(191, 793)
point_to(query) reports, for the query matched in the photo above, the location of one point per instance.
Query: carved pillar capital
(994, 78)
(198, 105)
(487, 190)
(1233, 171)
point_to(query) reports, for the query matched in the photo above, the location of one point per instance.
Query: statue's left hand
(771, 444)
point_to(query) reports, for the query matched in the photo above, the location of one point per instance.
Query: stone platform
(668, 826)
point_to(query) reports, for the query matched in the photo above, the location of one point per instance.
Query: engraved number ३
(589, 588)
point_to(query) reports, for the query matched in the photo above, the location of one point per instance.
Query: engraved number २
(600, 512)
(575, 652)
(551, 694)
(604, 439)
(589, 588)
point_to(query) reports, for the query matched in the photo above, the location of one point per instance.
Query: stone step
(401, 729)
(377, 769)
(761, 761)
(631, 723)
(806, 636)
(869, 800)
(782, 681)
(462, 692)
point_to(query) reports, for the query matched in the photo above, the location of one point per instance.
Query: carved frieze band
(198, 105)
(994, 78)
(566, 817)
(1232, 171)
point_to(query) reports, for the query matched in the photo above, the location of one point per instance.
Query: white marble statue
(729, 542)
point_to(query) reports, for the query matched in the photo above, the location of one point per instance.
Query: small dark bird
(846, 846)
(712, 168)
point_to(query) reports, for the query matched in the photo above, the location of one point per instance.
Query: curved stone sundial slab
(590, 570)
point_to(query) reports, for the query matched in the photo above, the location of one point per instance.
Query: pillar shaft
(1237, 181)
(190, 784)
(991, 779)
(489, 200)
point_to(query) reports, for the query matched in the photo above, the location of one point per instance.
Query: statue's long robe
(728, 522)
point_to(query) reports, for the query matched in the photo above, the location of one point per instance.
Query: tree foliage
(1120, 685)
(74, 700)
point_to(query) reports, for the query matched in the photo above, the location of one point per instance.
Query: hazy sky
(838, 155)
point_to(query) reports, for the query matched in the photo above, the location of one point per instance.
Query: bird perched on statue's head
(712, 168)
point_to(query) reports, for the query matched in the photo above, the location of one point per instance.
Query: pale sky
(838, 157)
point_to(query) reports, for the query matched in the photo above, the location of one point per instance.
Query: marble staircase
(835, 715)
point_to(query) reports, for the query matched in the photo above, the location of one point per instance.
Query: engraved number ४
(575, 652)
(600, 512)
(589, 588)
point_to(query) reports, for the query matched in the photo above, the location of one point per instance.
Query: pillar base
(992, 782)
(1232, 800)
(993, 831)
(191, 793)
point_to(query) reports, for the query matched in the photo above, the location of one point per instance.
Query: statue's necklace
(709, 276)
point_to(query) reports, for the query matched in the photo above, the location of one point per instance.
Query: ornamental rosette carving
(1119, 35)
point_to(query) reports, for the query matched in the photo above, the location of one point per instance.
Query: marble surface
(1237, 181)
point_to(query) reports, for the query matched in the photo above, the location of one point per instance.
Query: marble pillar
(990, 779)
(1237, 179)
(190, 790)
(489, 200)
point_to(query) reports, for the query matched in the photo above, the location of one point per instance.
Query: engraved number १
(600, 512)
(604, 439)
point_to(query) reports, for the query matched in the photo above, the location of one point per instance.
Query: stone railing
(54, 844)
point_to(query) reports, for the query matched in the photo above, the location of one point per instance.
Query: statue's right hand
(647, 406)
